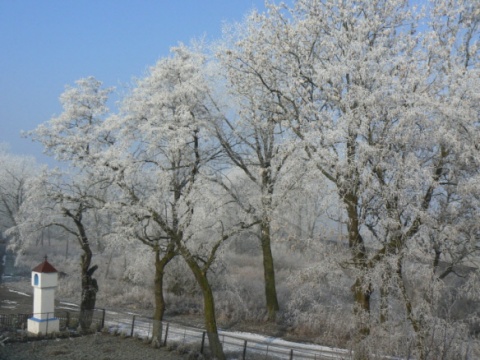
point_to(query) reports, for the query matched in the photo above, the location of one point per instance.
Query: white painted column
(44, 282)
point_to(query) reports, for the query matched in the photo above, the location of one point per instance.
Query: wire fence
(238, 345)
(68, 320)
(245, 346)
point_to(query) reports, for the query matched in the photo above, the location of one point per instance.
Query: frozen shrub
(172, 345)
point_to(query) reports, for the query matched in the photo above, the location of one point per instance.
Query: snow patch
(8, 304)
(67, 308)
(19, 293)
(277, 341)
(68, 304)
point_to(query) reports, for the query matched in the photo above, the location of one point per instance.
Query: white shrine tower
(44, 282)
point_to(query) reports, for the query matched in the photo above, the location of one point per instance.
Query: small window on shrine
(35, 280)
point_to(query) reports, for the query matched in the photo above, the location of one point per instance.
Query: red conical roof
(45, 267)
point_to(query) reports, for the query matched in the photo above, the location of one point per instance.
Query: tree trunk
(208, 306)
(362, 306)
(89, 284)
(160, 264)
(416, 324)
(211, 322)
(269, 272)
(89, 292)
(361, 290)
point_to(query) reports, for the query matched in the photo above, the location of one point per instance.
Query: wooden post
(166, 334)
(244, 349)
(133, 326)
(291, 354)
(203, 342)
(67, 325)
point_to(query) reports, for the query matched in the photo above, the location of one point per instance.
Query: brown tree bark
(89, 292)
(268, 183)
(361, 290)
(269, 272)
(160, 264)
(89, 284)
(208, 305)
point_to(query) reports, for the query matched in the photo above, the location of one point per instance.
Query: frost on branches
(15, 172)
(159, 161)
(387, 109)
(353, 120)
(69, 199)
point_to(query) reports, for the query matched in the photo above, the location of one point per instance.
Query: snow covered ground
(233, 341)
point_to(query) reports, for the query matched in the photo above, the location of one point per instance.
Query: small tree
(73, 137)
(56, 199)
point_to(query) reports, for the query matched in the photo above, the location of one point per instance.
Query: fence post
(244, 349)
(291, 354)
(67, 325)
(166, 335)
(133, 326)
(203, 342)
(103, 318)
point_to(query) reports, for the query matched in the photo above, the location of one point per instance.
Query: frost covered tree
(159, 161)
(436, 177)
(134, 224)
(15, 171)
(261, 153)
(67, 202)
(73, 138)
(387, 113)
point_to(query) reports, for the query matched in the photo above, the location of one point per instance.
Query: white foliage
(15, 172)
(72, 136)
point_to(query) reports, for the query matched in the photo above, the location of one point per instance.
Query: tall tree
(257, 146)
(81, 137)
(363, 92)
(158, 162)
(73, 137)
(314, 65)
(134, 223)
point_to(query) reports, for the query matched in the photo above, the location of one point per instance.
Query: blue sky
(45, 45)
